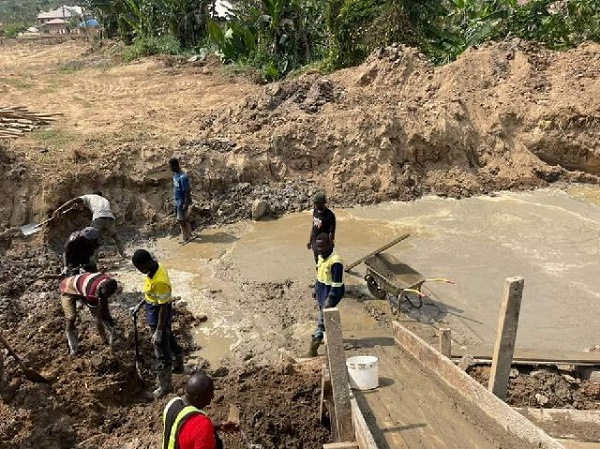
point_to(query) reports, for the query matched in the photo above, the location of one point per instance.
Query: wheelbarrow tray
(391, 275)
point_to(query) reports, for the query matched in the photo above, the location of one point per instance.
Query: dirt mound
(507, 115)
(95, 399)
(546, 388)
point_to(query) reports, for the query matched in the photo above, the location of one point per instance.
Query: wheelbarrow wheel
(374, 289)
(413, 300)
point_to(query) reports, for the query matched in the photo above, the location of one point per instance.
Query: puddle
(551, 237)
(193, 280)
(214, 344)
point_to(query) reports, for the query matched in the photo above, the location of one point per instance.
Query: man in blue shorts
(183, 198)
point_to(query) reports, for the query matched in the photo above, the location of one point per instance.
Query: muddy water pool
(550, 237)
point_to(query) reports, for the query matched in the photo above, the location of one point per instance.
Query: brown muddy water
(550, 237)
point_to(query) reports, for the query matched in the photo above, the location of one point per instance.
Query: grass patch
(18, 83)
(53, 137)
(148, 46)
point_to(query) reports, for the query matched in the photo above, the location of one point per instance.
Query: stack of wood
(16, 121)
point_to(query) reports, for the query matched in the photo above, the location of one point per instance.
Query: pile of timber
(16, 121)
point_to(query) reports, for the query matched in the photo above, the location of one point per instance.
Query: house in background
(61, 19)
(56, 26)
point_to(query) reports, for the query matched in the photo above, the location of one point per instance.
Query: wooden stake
(445, 342)
(507, 334)
(338, 373)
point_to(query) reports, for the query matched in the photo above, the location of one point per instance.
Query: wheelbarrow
(387, 277)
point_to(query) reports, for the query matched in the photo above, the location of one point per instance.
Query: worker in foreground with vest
(93, 289)
(185, 423)
(159, 316)
(329, 288)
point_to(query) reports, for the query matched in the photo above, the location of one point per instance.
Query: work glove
(157, 337)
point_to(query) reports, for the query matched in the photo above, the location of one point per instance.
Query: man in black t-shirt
(323, 222)
(81, 250)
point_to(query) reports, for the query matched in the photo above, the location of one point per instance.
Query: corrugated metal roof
(56, 22)
(61, 12)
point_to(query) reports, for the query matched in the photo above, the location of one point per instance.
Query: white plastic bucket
(363, 371)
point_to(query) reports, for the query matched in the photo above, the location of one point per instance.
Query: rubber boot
(178, 364)
(112, 333)
(72, 340)
(165, 385)
(314, 346)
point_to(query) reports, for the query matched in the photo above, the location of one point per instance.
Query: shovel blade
(35, 376)
(30, 229)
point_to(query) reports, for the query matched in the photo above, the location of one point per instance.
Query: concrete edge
(473, 391)
(551, 414)
(363, 434)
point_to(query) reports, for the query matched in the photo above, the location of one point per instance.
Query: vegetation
(13, 29)
(280, 36)
(26, 11)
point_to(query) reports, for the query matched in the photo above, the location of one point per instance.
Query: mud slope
(504, 116)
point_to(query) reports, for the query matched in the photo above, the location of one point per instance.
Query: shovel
(138, 359)
(29, 373)
(32, 228)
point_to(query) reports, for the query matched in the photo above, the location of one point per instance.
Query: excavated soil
(504, 116)
(546, 388)
(96, 401)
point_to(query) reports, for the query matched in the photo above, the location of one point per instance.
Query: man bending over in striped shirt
(93, 289)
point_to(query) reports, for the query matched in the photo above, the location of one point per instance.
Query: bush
(13, 29)
(148, 46)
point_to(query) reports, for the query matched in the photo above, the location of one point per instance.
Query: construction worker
(159, 316)
(185, 423)
(94, 290)
(329, 288)
(81, 251)
(182, 194)
(323, 222)
(102, 217)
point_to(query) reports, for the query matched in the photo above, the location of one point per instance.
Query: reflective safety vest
(324, 270)
(174, 416)
(157, 289)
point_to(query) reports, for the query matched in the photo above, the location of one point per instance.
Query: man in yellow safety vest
(159, 315)
(329, 288)
(185, 423)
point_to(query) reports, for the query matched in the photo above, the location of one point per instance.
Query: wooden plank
(338, 373)
(446, 342)
(508, 323)
(484, 353)
(363, 434)
(325, 393)
(383, 248)
(472, 390)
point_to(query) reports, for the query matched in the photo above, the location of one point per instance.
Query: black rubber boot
(314, 347)
(178, 364)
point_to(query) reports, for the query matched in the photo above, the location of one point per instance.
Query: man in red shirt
(186, 425)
